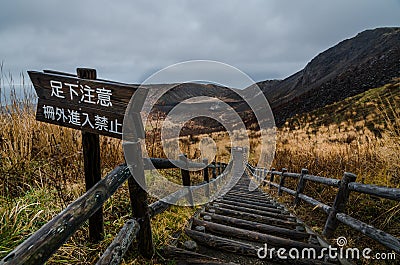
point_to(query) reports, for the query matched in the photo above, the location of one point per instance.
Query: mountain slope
(375, 109)
(370, 59)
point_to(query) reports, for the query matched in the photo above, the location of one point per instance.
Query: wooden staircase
(233, 228)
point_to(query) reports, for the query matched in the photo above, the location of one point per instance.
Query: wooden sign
(96, 106)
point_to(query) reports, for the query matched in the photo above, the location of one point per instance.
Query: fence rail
(335, 212)
(41, 245)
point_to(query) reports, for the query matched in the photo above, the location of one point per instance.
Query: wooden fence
(41, 245)
(336, 212)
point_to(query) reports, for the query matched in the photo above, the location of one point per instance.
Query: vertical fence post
(339, 204)
(186, 177)
(214, 172)
(139, 204)
(91, 160)
(282, 181)
(261, 174)
(219, 168)
(133, 142)
(271, 179)
(300, 186)
(265, 177)
(206, 177)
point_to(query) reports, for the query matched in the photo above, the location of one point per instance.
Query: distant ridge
(370, 59)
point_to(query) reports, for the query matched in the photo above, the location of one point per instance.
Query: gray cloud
(128, 40)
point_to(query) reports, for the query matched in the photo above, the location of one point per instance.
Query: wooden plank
(255, 226)
(45, 241)
(91, 159)
(246, 194)
(117, 249)
(251, 235)
(54, 72)
(383, 192)
(326, 181)
(175, 253)
(199, 261)
(216, 242)
(370, 231)
(247, 209)
(254, 202)
(315, 203)
(255, 195)
(287, 190)
(222, 243)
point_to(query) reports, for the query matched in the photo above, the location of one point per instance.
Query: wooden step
(251, 235)
(255, 217)
(254, 226)
(182, 256)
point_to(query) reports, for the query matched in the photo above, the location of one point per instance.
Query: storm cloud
(129, 40)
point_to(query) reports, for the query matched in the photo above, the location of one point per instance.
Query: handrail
(383, 192)
(45, 241)
(117, 249)
(335, 212)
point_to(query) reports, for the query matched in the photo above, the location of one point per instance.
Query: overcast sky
(129, 40)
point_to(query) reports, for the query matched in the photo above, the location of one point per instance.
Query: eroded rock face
(370, 59)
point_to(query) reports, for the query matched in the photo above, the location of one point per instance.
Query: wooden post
(137, 182)
(219, 168)
(300, 186)
(339, 204)
(206, 177)
(265, 177)
(214, 172)
(139, 204)
(186, 178)
(282, 181)
(91, 160)
(271, 179)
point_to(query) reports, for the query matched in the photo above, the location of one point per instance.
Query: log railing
(335, 212)
(41, 245)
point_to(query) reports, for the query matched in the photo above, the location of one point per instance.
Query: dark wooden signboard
(96, 106)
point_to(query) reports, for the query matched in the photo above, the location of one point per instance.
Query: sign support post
(91, 158)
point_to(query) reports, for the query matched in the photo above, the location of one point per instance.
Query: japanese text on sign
(77, 118)
(84, 93)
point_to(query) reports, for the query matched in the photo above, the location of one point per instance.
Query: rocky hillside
(370, 59)
(376, 109)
